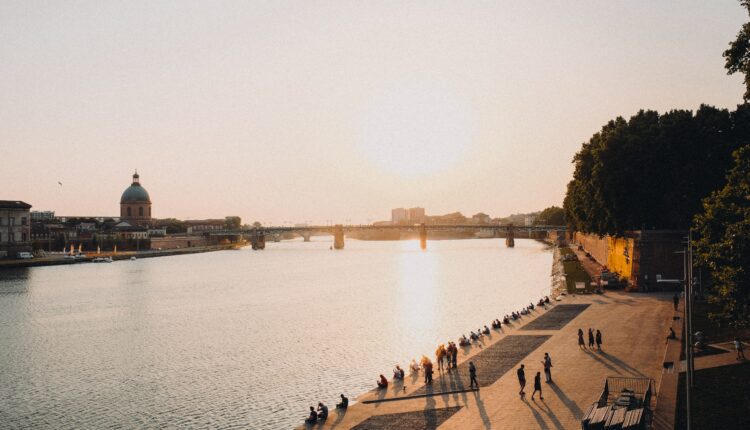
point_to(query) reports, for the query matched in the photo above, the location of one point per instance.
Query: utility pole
(687, 252)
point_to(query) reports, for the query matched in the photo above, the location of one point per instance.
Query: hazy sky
(320, 110)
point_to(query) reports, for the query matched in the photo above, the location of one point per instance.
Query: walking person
(473, 375)
(740, 349)
(591, 339)
(428, 373)
(521, 381)
(581, 344)
(439, 354)
(547, 368)
(537, 386)
(598, 340)
(454, 356)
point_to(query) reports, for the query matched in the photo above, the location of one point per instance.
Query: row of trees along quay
(679, 170)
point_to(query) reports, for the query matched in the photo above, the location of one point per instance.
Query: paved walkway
(633, 326)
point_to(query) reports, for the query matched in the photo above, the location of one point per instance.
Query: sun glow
(416, 130)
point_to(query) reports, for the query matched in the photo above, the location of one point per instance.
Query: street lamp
(687, 281)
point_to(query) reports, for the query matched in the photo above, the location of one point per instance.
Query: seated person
(486, 330)
(322, 411)
(398, 372)
(382, 383)
(414, 366)
(313, 418)
(546, 299)
(344, 403)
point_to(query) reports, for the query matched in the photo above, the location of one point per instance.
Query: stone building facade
(15, 227)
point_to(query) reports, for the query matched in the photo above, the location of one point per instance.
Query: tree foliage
(723, 242)
(652, 171)
(738, 55)
(552, 215)
(232, 222)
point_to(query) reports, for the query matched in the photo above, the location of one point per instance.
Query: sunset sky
(284, 111)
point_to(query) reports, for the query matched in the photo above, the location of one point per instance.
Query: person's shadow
(482, 411)
(546, 409)
(570, 404)
(537, 416)
(340, 413)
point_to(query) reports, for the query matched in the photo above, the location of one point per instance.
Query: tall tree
(723, 243)
(552, 215)
(738, 54)
(653, 170)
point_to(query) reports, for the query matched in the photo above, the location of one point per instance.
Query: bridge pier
(338, 237)
(258, 240)
(509, 238)
(306, 236)
(422, 236)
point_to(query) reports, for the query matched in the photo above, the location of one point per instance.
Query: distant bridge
(257, 235)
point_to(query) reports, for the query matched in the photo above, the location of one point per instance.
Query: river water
(242, 339)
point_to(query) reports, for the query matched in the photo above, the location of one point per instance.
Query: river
(242, 339)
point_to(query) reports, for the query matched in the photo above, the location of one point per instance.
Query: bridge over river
(257, 236)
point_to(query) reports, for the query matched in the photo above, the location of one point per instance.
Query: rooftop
(14, 204)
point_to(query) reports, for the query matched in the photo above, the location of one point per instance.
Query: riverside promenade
(633, 326)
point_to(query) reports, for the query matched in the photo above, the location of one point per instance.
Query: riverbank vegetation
(574, 271)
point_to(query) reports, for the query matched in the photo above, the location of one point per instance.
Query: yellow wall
(620, 256)
(609, 251)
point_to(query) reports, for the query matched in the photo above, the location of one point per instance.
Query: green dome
(135, 194)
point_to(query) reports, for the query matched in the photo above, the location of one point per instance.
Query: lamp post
(687, 270)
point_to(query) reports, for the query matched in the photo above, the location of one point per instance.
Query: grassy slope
(574, 272)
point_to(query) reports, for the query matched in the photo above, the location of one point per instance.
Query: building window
(149, 212)
(11, 236)
(23, 220)
(23, 237)
(129, 211)
(140, 211)
(12, 221)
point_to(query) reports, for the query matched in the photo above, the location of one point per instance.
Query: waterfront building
(42, 215)
(135, 203)
(528, 220)
(15, 227)
(205, 225)
(399, 216)
(157, 231)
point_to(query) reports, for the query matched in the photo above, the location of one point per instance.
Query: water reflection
(416, 290)
(15, 280)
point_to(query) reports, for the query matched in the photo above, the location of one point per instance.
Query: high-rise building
(416, 215)
(399, 216)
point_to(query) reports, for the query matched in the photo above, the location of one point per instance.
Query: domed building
(135, 203)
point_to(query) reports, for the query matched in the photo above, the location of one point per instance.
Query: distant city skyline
(294, 112)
